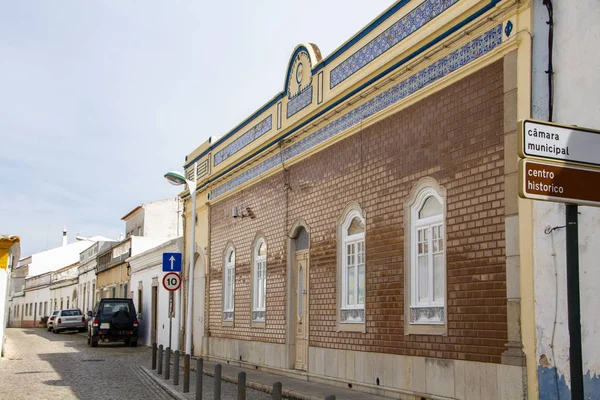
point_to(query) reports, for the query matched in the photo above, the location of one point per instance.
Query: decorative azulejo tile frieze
(298, 103)
(410, 23)
(446, 65)
(254, 133)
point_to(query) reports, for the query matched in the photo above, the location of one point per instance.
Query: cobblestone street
(41, 365)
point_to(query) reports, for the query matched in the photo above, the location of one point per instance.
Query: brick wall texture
(454, 136)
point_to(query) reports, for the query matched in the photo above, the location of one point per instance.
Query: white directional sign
(171, 262)
(172, 281)
(559, 142)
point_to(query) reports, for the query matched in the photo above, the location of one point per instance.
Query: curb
(287, 393)
(172, 392)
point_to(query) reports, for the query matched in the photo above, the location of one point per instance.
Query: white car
(50, 322)
(69, 319)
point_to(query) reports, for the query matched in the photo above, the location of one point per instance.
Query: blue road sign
(171, 262)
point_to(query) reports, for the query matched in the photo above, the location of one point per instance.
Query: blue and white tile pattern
(254, 133)
(448, 64)
(299, 102)
(410, 23)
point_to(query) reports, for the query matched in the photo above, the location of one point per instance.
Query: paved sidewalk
(259, 384)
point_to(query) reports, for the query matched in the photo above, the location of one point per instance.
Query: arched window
(427, 255)
(353, 268)
(228, 284)
(259, 281)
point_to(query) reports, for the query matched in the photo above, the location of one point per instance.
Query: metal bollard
(330, 397)
(217, 383)
(199, 376)
(241, 386)
(186, 373)
(277, 389)
(176, 368)
(160, 359)
(168, 364)
(154, 355)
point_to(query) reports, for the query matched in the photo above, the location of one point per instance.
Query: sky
(98, 99)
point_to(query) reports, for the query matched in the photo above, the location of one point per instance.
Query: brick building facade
(456, 137)
(357, 234)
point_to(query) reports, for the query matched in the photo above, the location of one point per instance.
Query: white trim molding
(425, 298)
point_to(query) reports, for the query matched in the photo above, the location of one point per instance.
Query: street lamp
(177, 178)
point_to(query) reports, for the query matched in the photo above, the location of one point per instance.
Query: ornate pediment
(299, 74)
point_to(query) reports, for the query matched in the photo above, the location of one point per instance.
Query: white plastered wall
(576, 71)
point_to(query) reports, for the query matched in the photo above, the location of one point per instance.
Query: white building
(152, 299)
(10, 251)
(34, 288)
(16, 292)
(161, 218)
(88, 261)
(575, 88)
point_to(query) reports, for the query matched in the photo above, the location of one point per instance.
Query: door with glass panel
(301, 309)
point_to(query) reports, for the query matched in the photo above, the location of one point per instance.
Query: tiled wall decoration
(448, 64)
(254, 133)
(299, 102)
(410, 23)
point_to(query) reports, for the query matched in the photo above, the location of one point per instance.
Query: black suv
(113, 319)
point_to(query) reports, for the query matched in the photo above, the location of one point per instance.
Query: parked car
(50, 322)
(69, 319)
(113, 319)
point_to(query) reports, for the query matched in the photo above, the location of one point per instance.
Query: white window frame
(229, 284)
(357, 241)
(259, 282)
(343, 309)
(424, 316)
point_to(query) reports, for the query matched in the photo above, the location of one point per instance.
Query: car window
(112, 307)
(70, 313)
(55, 312)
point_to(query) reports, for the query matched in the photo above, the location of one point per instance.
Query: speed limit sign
(172, 281)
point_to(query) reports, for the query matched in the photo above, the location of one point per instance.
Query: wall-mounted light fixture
(235, 213)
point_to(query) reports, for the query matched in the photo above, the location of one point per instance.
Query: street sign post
(565, 143)
(171, 262)
(551, 181)
(171, 282)
(556, 167)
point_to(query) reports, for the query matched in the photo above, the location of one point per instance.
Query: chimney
(64, 236)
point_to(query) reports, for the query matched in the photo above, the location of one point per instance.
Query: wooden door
(301, 271)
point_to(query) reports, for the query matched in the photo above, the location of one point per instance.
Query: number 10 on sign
(172, 281)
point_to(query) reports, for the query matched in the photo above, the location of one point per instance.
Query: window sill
(351, 327)
(227, 323)
(440, 329)
(258, 324)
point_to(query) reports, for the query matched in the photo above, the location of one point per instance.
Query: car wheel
(48, 329)
(54, 331)
(94, 341)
